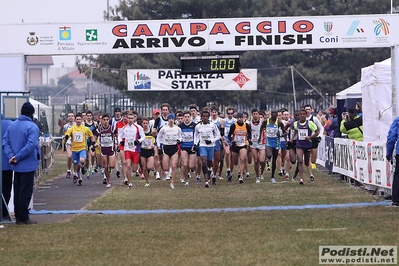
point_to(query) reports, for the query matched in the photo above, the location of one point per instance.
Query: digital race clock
(210, 64)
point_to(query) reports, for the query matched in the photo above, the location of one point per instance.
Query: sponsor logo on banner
(172, 79)
(369, 165)
(142, 81)
(65, 36)
(32, 39)
(381, 31)
(241, 79)
(91, 35)
(328, 38)
(355, 33)
(65, 33)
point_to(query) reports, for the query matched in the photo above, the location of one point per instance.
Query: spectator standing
(21, 146)
(352, 125)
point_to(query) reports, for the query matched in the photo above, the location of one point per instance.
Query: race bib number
(240, 140)
(106, 142)
(302, 134)
(205, 136)
(130, 144)
(187, 136)
(255, 135)
(146, 144)
(271, 132)
(78, 136)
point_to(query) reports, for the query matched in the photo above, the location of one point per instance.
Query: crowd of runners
(191, 145)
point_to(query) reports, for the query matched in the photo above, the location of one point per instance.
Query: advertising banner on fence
(329, 154)
(201, 35)
(380, 168)
(172, 79)
(343, 157)
(360, 162)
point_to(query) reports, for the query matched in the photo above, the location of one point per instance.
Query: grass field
(220, 238)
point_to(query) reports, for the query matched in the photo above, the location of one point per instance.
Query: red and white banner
(201, 35)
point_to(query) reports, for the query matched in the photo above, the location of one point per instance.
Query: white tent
(47, 114)
(352, 92)
(377, 100)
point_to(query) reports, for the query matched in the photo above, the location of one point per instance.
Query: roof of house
(40, 60)
(76, 75)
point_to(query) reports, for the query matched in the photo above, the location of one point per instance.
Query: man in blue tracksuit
(21, 146)
(392, 140)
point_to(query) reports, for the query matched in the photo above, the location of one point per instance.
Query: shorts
(305, 150)
(283, 145)
(237, 149)
(133, 156)
(258, 146)
(147, 153)
(76, 155)
(218, 145)
(315, 142)
(291, 145)
(207, 152)
(170, 150)
(189, 150)
(107, 151)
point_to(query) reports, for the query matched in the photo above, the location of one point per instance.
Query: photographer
(352, 124)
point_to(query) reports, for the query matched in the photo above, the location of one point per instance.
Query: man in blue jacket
(21, 146)
(392, 140)
(6, 171)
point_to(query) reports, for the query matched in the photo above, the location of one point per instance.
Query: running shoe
(294, 179)
(273, 180)
(206, 184)
(198, 179)
(130, 186)
(172, 186)
(104, 180)
(301, 182)
(84, 170)
(229, 177)
(257, 180)
(142, 176)
(247, 175)
(96, 169)
(108, 185)
(168, 176)
(137, 173)
(92, 171)
(68, 175)
(75, 178)
(228, 173)
(102, 171)
(186, 184)
(182, 180)
(126, 181)
(280, 172)
(87, 174)
(213, 180)
(157, 176)
(147, 184)
(262, 177)
(118, 174)
(80, 181)
(241, 180)
(287, 176)
(311, 177)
